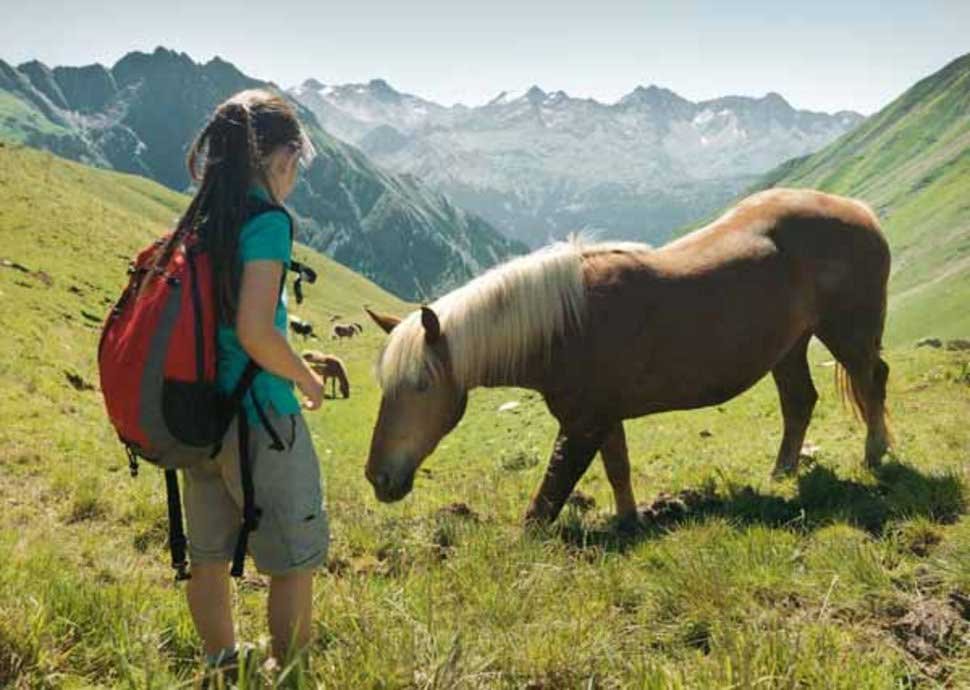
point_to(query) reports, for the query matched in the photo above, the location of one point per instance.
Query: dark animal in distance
(689, 325)
(301, 327)
(331, 369)
(341, 330)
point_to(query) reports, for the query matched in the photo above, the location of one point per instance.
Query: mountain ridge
(539, 164)
(141, 114)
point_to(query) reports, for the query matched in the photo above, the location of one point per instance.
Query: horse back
(705, 317)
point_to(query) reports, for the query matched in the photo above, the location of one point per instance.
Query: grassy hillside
(836, 579)
(911, 162)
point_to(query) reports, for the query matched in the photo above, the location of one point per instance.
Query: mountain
(911, 162)
(540, 164)
(141, 115)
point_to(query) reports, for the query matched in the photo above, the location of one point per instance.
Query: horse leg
(868, 374)
(570, 458)
(798, 397)
(616, 460)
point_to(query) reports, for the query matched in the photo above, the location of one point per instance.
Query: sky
(820, 55)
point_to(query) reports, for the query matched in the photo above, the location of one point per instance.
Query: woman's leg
(210, 605)
(290, 612)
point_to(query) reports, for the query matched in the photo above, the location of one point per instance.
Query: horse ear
(385, 322)
(432, 327)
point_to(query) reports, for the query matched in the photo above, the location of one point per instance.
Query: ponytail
(230, 150)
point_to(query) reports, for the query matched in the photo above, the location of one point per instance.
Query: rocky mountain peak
(535, 95)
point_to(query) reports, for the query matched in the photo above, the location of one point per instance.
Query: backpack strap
(176, 534)
(255, 207)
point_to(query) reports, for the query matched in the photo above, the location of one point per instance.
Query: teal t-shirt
(265, 237)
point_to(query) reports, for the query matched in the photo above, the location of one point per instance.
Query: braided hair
(227, 157)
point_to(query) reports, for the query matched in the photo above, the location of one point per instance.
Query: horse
(340, 330)
(689, 325)
(301, 327)
(330, 368)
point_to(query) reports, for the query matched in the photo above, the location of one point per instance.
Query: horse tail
(851, 398)
(849, 394)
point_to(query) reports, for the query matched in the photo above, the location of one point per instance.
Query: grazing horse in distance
(330, 368)
(340, 330)
(689, 325)
(301, 327)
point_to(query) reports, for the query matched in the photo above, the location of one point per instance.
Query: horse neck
(530, 375)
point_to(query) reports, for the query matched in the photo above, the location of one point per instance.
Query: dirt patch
(668, 507)
(921, 542)
(77, 381)
(930, 630)
(458, 510)
(581, 502)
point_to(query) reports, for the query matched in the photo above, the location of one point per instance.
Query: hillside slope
(911, 162)
(73, 229)
(141, 114)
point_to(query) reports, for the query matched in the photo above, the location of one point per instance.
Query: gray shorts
(293, 532)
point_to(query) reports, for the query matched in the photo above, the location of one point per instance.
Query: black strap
(276, 441)
(256, 206)
(176, 535)
(250, 521)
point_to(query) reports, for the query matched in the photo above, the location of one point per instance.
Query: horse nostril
(381, 480)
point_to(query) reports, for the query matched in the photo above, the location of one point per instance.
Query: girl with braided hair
(245, 164)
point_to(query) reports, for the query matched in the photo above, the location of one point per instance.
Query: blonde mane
(494, 323)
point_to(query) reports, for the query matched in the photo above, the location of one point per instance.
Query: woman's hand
(312, 388)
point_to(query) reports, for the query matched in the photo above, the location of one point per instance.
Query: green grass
(19, 120)
(837, 579)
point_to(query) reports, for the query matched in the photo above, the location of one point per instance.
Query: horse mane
(494, 323)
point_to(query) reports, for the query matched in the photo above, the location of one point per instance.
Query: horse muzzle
(388, 488)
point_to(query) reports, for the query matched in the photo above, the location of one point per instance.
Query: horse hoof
(783, 472)
(629, 523)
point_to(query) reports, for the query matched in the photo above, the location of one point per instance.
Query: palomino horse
(689, 325)
(330, 369)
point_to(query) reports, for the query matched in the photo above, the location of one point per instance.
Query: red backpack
(157, 361)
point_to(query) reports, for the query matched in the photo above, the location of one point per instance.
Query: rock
(705, 434)
(958, 344)
(809, 451)
(7, 263)
(510, 405)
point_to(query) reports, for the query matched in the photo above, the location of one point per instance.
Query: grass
(839, 578)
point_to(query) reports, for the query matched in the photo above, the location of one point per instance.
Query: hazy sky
(819, 54)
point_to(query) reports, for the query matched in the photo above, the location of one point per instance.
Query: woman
(249, 153)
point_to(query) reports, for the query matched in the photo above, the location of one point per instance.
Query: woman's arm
(258, 294)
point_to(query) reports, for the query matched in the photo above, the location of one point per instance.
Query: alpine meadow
(839, 576)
